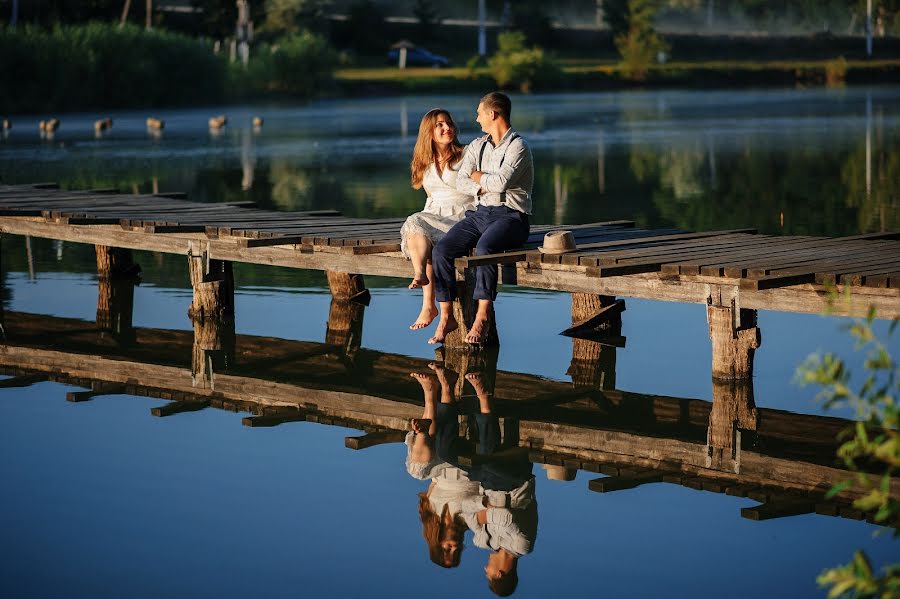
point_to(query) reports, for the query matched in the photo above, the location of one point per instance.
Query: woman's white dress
(444, 207)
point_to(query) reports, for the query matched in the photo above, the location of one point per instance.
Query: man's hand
(476, 176)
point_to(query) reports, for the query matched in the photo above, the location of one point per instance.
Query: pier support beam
(348, 287)
(115, 263)
(734, 337)
(213, 283)
(594, 363)
(116, 277)
(464, 310)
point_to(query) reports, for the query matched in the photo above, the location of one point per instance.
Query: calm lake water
(102, 499)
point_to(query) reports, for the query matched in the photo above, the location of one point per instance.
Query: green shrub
(519, 66)
(302, 64)
(836, 72)
(638, 44)
(871, 448)
(101, 65)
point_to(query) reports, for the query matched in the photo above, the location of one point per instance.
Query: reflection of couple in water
(494, 498)
(478, 197)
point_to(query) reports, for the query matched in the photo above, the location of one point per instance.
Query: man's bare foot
(426, 317)
(444, 328)
(477, 382)
(447, 378)
(420, 425)
(477, 332)
(419, 281)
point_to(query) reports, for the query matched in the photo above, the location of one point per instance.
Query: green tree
(293, 16)
(514, 64)
(639, 45)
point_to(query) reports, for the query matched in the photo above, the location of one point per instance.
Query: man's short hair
(499, 103)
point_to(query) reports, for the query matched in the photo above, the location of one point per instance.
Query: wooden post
(213, 350)
(213, 283)
(347, 286)
(593, 364)
(733, 411)
(116, 263)
(734, 341)
(116, 277)
(464, 310)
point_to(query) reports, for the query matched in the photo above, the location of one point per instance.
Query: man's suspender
(502, 158)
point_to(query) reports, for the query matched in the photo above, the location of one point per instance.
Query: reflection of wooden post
(345, 323)
(116, 272)
(213, 283)
(349, 297)
(213, 350)
(464, 310)
(593, 365)
(733, 411)
(464, 362)
(733, 342)
(115, 305)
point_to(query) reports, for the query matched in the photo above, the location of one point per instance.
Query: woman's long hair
(438, 528)
(425, 153)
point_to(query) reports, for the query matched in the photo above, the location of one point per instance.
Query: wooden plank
(25, 380)
(752, 255)
(175, 229)
(619, 483)
(726, 242)
(380, 248)
(373, 439)
(270, 420)
(586, 255)
(778, 509)
(823, 256)
(602, 315)
(178, 407)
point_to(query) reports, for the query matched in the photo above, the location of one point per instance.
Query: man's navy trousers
(489, 229)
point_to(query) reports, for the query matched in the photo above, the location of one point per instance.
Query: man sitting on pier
(497, 169)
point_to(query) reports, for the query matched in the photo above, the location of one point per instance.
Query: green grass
(578, 73)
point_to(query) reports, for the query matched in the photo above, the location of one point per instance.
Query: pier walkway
(734, 273)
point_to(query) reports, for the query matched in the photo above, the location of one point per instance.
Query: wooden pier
(734, 273)
(784, 461)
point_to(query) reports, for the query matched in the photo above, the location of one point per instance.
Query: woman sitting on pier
(434, 166)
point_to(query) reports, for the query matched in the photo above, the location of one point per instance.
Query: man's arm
(464, 182)
(518, 161)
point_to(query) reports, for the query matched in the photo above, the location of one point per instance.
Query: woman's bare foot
(426, 317)
(446, 326)
(477, 332)
(419, 281)
(420, 425)
(427, 380)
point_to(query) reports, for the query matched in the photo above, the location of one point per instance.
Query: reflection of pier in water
(785, 461)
